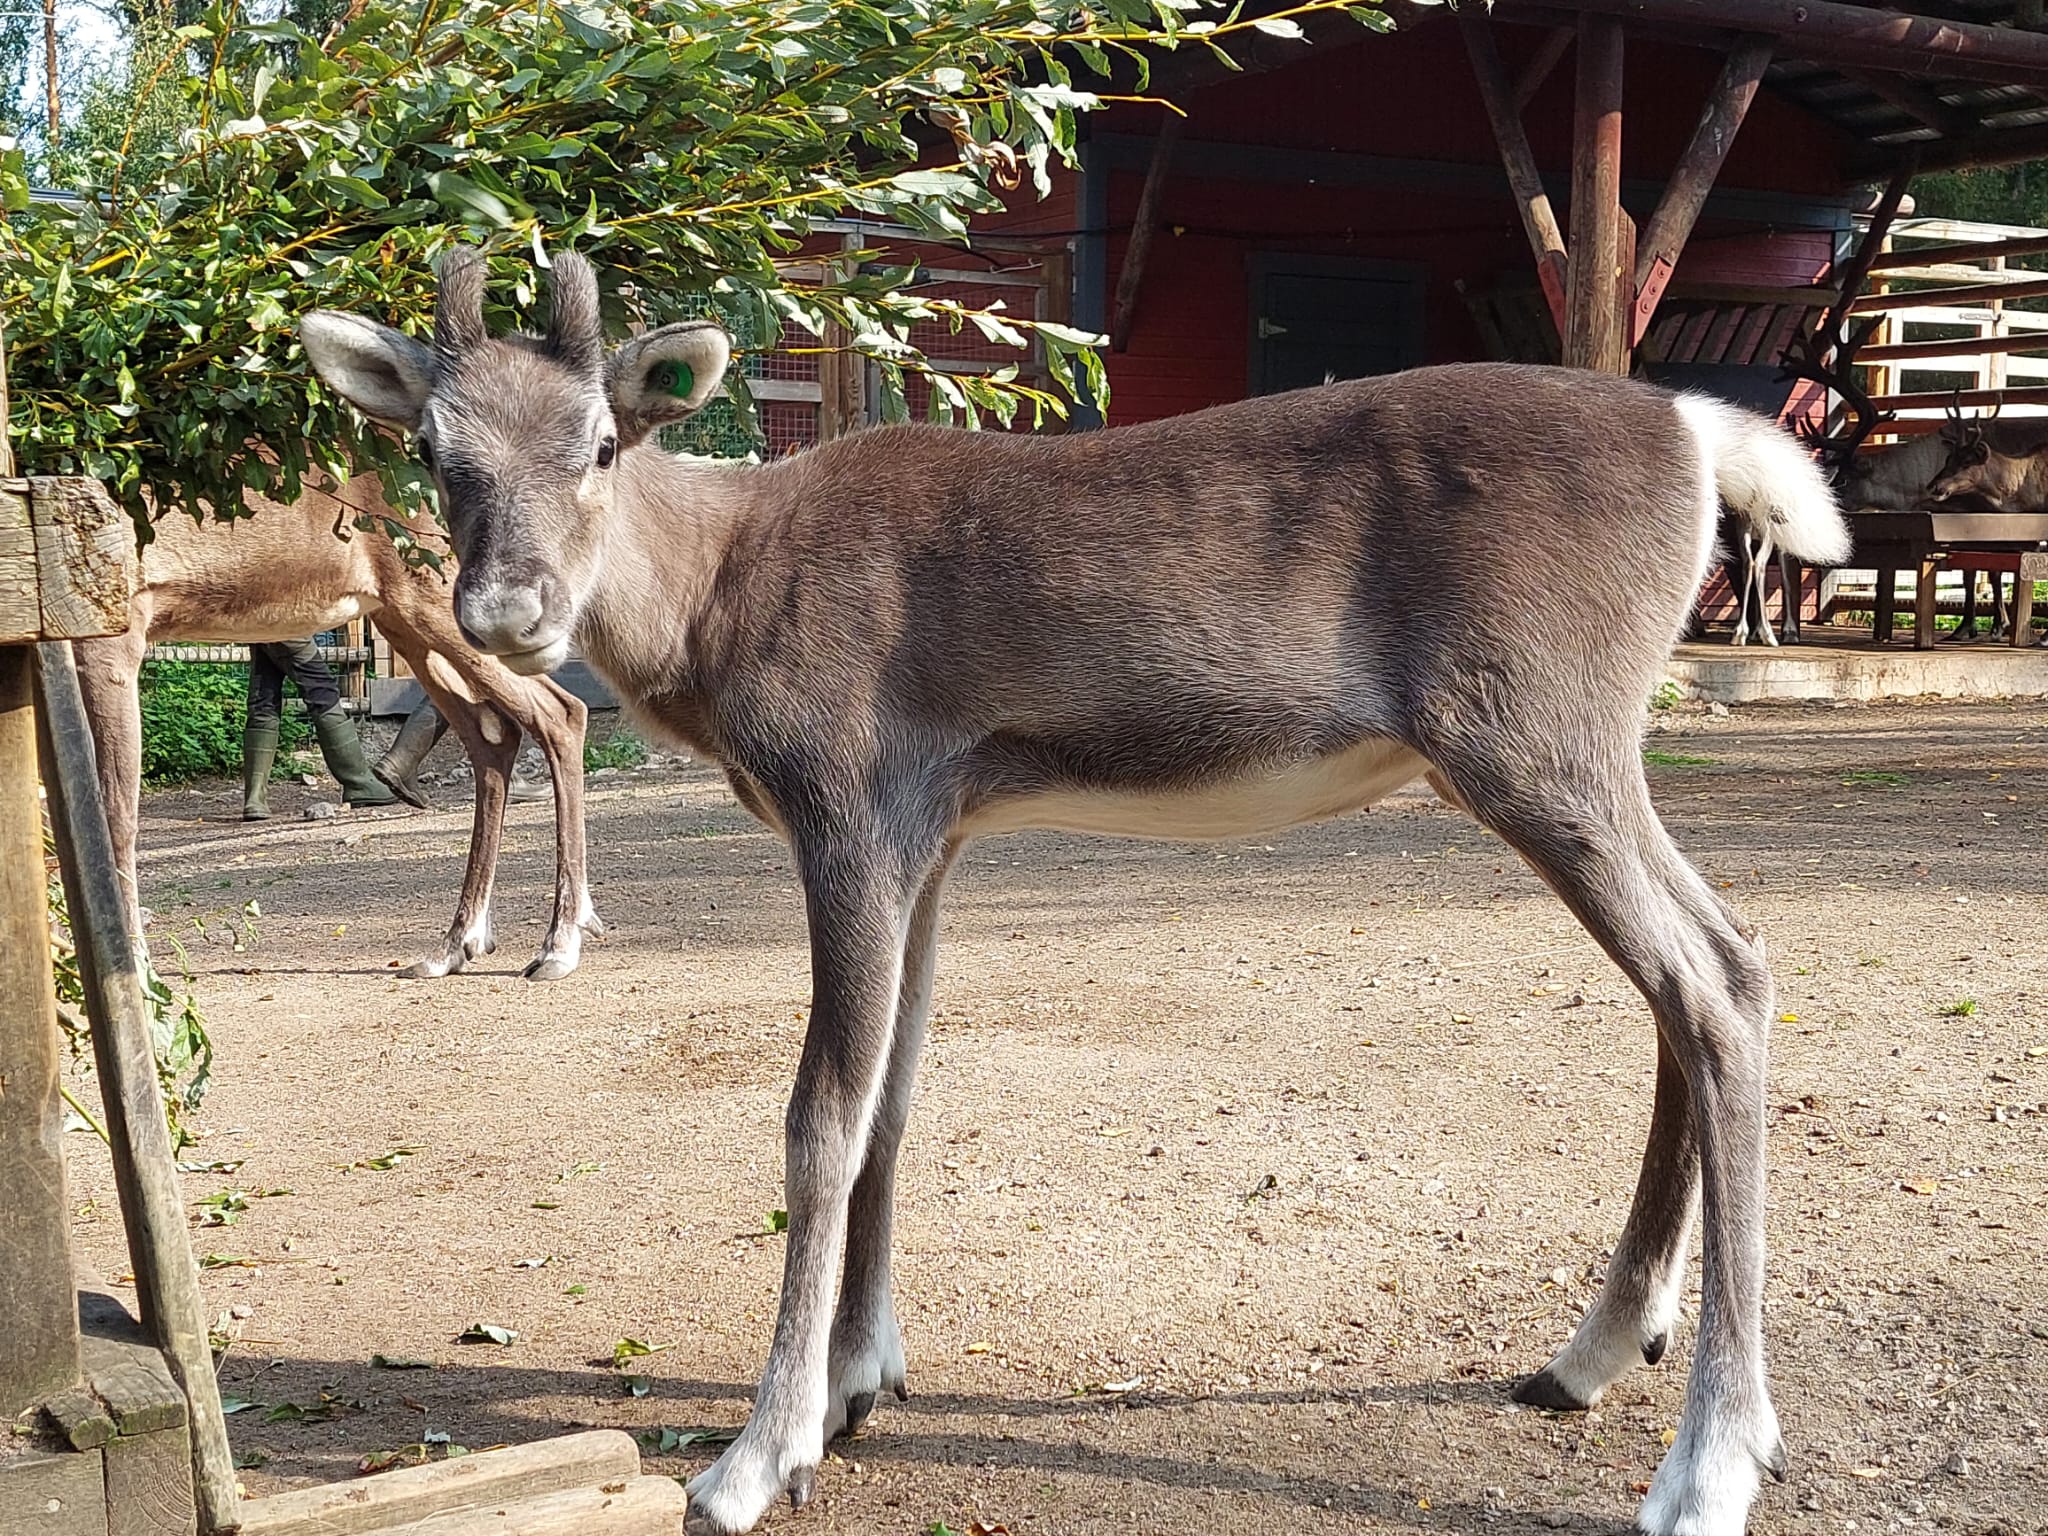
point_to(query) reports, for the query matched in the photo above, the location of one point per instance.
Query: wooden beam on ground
(1830, 32)
(1557, 42)
(1539, 221)
(1693, 177)
(1131, 276)
(1962, 250)
(487, 1479)
(145, 1171)
(1594, 334)
(1917, 101)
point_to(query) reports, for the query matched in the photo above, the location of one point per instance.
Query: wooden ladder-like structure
(110, 1426)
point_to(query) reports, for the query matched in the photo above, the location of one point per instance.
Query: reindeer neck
(670, 532)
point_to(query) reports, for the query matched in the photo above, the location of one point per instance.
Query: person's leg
(340, 744)
(398, 769)
(259, 730)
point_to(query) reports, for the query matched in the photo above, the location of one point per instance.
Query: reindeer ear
(665, 376)
(383, 373)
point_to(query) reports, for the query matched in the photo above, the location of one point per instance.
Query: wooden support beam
(1693, 178)
(1124, 313)
(38, 1302)
(1850, 282)
(1917, 101)
(1594, 335)
(1963, 250)
(1936, 399)
(1539, 221)
(1926, 352)
(1557, 42)
(1978, 151)
(145, 1170)
(1831, 32)
(1964, 295)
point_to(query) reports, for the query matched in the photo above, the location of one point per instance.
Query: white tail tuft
(1764, 475)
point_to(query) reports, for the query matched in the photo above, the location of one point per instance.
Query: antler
(1825, 357)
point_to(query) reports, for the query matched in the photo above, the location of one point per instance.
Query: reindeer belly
(1240, 807)
(292, 614)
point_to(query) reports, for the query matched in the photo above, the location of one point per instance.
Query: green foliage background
(192, 714)
(687, 145)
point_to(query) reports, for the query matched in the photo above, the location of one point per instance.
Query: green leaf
(487, 1333)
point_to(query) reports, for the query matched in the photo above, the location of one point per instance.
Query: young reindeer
(284, 574)
(1197, 628)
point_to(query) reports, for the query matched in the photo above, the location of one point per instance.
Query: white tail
(1764, 475)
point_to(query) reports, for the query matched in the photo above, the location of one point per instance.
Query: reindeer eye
(424, 451)
(607, 450)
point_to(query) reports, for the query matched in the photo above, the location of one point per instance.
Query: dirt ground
(1243, 1180)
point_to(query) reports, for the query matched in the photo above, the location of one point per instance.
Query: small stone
(319, 810)
(1957, 1465)
(1718, 710)
(1560, 1276)
(1556, 1519)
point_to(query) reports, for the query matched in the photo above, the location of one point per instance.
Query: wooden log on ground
(52, 1493)
(488, 1481)
(152, 1209)
(149, 1457)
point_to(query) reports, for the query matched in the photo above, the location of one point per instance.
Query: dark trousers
(269, 665)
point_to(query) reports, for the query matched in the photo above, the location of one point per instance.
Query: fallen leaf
(487, 1333)
(1919, 1186)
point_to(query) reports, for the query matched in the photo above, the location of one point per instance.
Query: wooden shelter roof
(1954, 83)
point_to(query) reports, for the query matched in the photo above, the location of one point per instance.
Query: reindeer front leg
(860, 887)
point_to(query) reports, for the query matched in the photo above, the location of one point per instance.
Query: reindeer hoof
(858, 1407)
(1543, 1390)
(549, 966)
(429, 966)
(801, 1483)
(1653, 1351)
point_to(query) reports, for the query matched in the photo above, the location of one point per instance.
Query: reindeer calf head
(522, 435)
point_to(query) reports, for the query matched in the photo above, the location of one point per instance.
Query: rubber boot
(521, 787)
(343, 749)
(399, 768)
(259, 752)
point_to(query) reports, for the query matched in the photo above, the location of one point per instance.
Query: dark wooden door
(1316, 318)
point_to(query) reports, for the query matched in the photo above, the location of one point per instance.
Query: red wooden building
(1354, 202)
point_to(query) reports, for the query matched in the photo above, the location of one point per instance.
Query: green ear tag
(675, 379)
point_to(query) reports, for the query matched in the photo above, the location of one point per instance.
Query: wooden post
(1557, 42)
(1539, 222)
(1693, 178)
(38, 1299)
(152, 1210)
(38, 1303)
(1124, 312)
(1924, 603)
(1594, 336)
